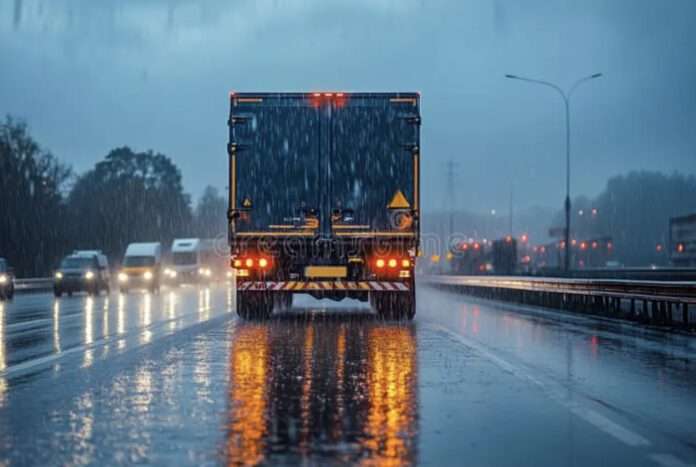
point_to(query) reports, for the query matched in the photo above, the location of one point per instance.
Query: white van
(191, 260)
(141, 267)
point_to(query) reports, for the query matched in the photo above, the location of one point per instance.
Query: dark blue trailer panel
(329, 163)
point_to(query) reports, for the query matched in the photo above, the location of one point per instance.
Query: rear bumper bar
(318, 286)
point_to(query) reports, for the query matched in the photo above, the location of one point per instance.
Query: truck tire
(254, 305)
(397, 306)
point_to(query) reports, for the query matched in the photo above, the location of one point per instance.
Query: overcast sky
(155, 74)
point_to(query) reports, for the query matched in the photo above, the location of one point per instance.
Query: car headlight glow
(59, 275)
(3, 278)
(122, 277)
(147, 275)
(89, 275)
(173, 274)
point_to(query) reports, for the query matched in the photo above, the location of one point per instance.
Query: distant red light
(476, 246)
(328, 94)
(680, 248)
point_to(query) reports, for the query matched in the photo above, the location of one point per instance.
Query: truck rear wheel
(254, 305)
(394, 305)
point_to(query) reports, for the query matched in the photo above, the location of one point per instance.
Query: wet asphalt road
(176, 379)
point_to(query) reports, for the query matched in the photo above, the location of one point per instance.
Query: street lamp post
(566, 100)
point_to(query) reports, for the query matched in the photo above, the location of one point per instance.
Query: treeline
(635, 209)
(47, 210)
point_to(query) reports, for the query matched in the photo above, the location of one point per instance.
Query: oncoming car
(6, 281)
(82, 271)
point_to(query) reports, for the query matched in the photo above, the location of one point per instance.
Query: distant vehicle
(324, 198)
(504, 253)
(682, 240)
(7, 281)
(82, 271)
(469, 257)
(192, 261)
(141, 267)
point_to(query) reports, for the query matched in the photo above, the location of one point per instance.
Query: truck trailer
(324, 199)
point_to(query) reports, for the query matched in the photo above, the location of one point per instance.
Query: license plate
(326, 271)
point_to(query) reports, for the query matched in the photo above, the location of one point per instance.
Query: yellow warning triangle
(399, 201)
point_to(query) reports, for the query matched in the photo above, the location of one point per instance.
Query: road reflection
(323, 389)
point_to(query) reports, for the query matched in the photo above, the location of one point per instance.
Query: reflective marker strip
(296, 286)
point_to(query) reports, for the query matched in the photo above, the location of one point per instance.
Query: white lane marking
(668, 460)
(99, 343)
(608, 426)
(40, 321)
(596, 419)
(27, 324)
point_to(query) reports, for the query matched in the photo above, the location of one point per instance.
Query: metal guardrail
(628, 273)
(669, 303)
(35, 284)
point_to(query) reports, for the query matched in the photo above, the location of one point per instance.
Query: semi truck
(324, 199)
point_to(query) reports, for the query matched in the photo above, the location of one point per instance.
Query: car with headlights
(141, 267)
(82, 271)
(7, 285)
